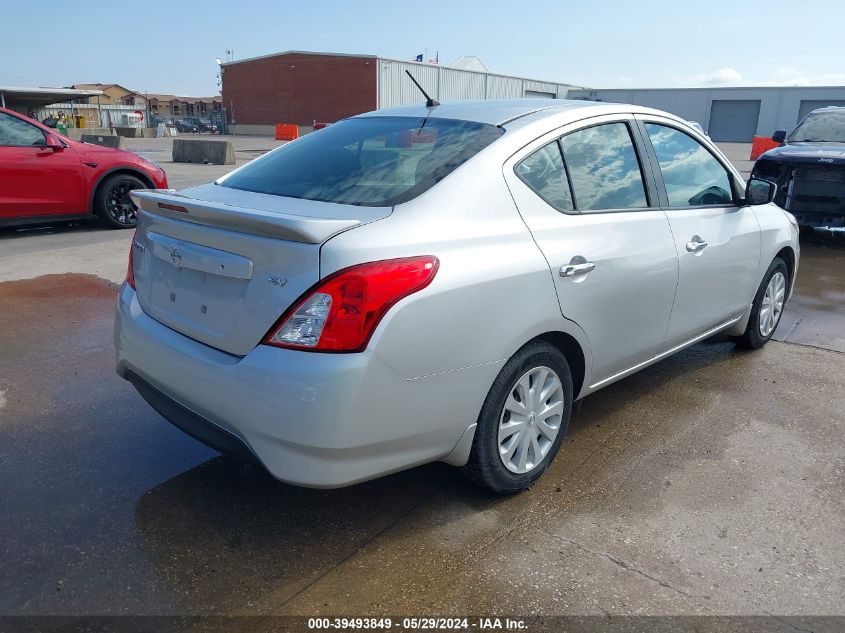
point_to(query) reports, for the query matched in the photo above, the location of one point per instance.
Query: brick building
(296, 87)
(303, 87)
(112, 94)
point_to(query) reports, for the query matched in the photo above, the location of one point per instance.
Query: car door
(588, 202)
(36, 179)
(718, 241)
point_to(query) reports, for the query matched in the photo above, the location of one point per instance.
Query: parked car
(205, 125)
(809, 168)
(186, 125)
(356, 302)
(157, 119)
(46, 177)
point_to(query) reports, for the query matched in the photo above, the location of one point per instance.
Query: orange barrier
(762, 144)
(424, 136)
(287, 131)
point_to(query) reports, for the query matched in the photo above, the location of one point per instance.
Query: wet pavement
(816, 314)
(711, 483)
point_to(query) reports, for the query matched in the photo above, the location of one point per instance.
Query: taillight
(341, 312)
(130, 271)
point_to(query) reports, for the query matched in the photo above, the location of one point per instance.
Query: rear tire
(767, 307)
(112, 203)
(530, 400)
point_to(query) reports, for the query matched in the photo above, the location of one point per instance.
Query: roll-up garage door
(808, 105)
(734, 121)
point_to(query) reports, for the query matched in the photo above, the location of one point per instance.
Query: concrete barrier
(76, 133)
(106, 140)
(251, 130)
(203, 151)
(135, 132)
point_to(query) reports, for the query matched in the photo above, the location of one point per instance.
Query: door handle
(696, 244)
(573, 270)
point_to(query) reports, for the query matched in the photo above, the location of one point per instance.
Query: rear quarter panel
(493, 291)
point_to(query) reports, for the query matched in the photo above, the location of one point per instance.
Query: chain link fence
(68, 116)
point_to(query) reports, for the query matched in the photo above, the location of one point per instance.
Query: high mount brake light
(341, 312)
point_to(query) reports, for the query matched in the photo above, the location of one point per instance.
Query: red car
(45, 177)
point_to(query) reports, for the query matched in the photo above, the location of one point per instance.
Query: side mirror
(779, 136)
(53, 142)
(759, 191)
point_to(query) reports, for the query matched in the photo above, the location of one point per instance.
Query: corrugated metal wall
(499, 87)
(452, 84)
(780, 107)
(460, 85)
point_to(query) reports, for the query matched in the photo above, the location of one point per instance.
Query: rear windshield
(370, 161)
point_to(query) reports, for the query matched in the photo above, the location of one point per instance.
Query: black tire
(753, 338)
(485, 465)
(112, 204)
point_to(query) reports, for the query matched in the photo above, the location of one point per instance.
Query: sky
(172, 47)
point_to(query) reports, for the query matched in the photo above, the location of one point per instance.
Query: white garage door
(808, 105)
(734, 121)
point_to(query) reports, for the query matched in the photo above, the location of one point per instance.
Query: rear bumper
(317, 420)
(192, 423)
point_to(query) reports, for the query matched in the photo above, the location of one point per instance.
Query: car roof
(830, 108)
(492, 111)
(501, 111)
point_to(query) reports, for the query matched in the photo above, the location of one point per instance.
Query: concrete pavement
(710, 483)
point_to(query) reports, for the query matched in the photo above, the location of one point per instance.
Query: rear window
(370, 161)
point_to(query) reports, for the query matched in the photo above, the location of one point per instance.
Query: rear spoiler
(296, 228)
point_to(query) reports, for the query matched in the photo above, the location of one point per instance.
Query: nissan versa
(441, 283)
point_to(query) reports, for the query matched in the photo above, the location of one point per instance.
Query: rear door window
(371, 161)
(544, 172)
(604, 168)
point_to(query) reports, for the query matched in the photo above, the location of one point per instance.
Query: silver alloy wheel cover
(530, 419)
(772, 306)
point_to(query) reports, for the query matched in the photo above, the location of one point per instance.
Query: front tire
(767, 308)
(112, 203)
(523, 420)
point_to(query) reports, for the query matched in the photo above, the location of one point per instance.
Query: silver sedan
(442, 283)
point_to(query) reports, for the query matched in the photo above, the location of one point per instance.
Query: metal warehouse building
(303, 87)
(729, 114)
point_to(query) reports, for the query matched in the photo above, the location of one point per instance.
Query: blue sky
(597, 44)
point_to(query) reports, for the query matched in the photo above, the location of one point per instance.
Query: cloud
(718, 77)
(786, 76)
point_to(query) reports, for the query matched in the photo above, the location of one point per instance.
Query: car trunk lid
(221, 265)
